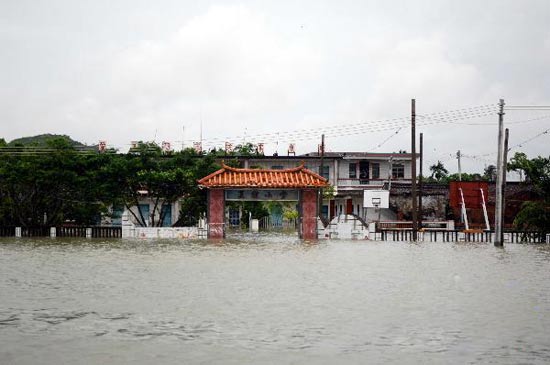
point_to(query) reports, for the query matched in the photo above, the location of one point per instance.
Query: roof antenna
(277, 146)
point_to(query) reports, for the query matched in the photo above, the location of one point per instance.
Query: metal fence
(268, 224)
(461, 236)
(80, 231)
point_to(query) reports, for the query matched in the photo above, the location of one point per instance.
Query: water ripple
(272, 298)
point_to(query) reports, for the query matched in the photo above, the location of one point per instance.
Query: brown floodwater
(264, 299)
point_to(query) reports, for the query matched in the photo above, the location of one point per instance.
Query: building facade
(349, 174)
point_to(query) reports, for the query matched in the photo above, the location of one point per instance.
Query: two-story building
(349, 173)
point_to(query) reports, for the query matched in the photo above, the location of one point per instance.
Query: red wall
(471, 191)
(309, 214)
(216, 213)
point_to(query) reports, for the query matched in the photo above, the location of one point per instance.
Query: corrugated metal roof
(231, 177)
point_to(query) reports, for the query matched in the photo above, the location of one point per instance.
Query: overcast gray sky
(278, 72)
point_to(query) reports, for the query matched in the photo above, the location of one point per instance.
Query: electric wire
(339, 130)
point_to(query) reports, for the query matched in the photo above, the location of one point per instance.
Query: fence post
(88, 233)
(53, 232)
(17, 231)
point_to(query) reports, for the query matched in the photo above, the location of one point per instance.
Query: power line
(387, 139)
(359, 128)
(529, 140)
(527, 107)
(517, 145)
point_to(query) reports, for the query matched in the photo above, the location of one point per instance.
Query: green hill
(42, 141)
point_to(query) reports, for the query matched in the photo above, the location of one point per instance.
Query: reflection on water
(272, 299)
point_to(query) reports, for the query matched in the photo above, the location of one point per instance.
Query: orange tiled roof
(230, 177)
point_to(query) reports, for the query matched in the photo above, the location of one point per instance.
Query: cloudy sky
(279, 72)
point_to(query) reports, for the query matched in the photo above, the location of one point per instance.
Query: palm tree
(490, 172)
(439, 171)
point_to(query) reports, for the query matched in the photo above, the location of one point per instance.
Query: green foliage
(43, 140)
(68, 186)
(439, 172)
(534, 215)
(462, 177)
(441, 175)
(290, 214)
(537, 171)
(49, 189)
(257, 209)
(490, 173)
(329, 192)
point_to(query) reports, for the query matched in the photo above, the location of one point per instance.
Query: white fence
(129, 230)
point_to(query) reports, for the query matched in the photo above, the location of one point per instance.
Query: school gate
(229, 183)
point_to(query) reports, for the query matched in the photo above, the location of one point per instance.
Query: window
(353, 170)
(166, 215)
(277, 167)
(116, 219)
(375, 171)
(234, 217)
(324, 211)
(326, 171)
(398, 171)
(364, 172)
(144, 208)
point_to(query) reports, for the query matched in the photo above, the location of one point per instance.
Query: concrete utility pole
(420, 178)
(413, 171)
(458, 155)
(503, 189)
(498, 198)
(390, 174)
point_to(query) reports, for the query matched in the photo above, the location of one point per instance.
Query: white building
(350, 174)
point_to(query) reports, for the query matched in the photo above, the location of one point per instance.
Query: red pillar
(349, 206)
(216, 213)
(309, 214)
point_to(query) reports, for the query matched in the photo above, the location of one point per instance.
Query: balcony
(361, 184)
(345, 183)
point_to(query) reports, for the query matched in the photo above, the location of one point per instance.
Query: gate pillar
(216, 213)
(309, 206)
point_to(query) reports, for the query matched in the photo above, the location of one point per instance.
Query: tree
(534, 215)
(49, 189)
(439, 172)
(490, 173)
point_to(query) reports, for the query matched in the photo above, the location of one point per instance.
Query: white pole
(463, 210)
(487, 226)
(498, 197)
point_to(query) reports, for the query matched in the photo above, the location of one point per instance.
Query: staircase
(346, 226)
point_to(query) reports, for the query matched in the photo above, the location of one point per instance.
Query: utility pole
(498, 198)
(458, 155)
(390, 173)
(503, 189)
(413, 171)
(182, 137)
(420, 178)
(321, 168)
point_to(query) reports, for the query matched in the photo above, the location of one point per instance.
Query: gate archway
(230, 183)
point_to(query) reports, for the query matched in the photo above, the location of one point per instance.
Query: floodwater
(272, 299)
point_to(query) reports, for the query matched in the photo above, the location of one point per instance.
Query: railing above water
(400, 235)
(68, 231)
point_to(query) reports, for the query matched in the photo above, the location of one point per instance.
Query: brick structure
(298, 178)
(216, 213)
(308, 207)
